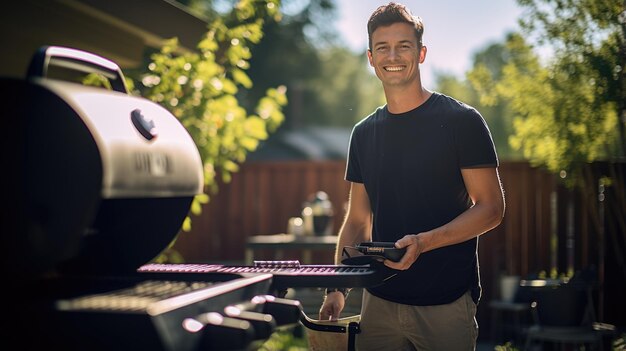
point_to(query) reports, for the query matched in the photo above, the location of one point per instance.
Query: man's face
(395, 55)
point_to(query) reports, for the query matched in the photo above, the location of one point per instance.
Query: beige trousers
(391, 326)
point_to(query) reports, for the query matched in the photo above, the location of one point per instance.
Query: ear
(369, 57)
(423, 51)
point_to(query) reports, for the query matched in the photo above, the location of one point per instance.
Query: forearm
(350, 234)
(486, 192)
(476, 221)
(356, 226)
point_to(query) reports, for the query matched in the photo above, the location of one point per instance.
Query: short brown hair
(391, 13)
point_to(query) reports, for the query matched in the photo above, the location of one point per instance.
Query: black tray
(367, 252)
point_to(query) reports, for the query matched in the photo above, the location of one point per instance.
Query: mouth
(394, 68)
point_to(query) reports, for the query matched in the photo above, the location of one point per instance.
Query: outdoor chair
(564, 315)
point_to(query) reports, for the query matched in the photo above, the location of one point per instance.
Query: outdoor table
(282, 242)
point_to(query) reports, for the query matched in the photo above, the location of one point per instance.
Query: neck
(403, 99)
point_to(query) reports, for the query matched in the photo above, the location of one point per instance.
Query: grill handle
(77, 60)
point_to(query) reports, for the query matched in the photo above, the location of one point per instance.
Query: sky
(453, 29)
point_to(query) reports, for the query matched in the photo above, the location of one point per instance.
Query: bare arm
(485, 190)
(356, 227)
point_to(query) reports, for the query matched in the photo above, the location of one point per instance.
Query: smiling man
(423, 174)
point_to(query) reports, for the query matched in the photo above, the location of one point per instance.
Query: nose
(393, 53)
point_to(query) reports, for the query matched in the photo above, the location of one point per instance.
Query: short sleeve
(353, 168)
(475, 147)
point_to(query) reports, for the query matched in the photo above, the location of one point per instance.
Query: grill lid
(145, 151)
(102, 180)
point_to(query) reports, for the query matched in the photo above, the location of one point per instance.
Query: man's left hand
(414, 247)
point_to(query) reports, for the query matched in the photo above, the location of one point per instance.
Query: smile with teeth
(394, 68)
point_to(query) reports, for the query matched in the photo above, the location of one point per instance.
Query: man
(423, 173)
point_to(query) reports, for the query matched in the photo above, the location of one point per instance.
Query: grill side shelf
(312, 276)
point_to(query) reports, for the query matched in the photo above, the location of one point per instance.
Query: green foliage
(554, 274)
(345, 90)
(508, 346)
(478, 92)
(328, 84)
(619, 344)
(97, 80)
(285, 341)
(458, 89)
(200, 88)
(570, 110)
(561, 120)
(586, 76)
(571, 115)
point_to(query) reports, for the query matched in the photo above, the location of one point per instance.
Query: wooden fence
(545, 224)
(263, 196)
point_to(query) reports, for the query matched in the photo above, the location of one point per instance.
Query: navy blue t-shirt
(410, 164)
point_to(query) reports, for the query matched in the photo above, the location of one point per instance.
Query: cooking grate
(136, 298)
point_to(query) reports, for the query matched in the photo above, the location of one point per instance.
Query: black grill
(100, 183)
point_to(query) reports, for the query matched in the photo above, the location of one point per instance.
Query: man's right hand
(332, 306)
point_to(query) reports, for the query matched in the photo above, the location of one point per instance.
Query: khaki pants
(390, 326)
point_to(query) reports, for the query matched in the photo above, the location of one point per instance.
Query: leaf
(255, 128)
(242, 78)
(186, 227)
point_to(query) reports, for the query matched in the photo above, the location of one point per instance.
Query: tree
(587, 73)
(288, 56)
(345, 90)
(200, 88)
(475, 92)
(578, 113)
(569, 111)
(327, 84)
